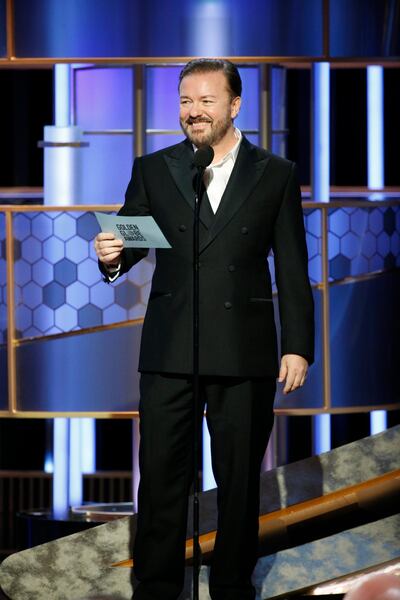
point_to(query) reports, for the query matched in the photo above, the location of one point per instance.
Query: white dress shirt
(217, 175)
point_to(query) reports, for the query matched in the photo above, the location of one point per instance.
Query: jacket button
(244, 230)
(228, 305)
(182, 228)
(231, 268)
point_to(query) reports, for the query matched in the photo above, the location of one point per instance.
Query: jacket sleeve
(296, 304)
(136, 204)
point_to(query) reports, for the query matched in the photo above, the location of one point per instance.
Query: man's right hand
(108, 249)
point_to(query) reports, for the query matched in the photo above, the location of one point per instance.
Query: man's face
(206, 107)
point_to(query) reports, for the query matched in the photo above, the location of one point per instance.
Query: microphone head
(203, 157)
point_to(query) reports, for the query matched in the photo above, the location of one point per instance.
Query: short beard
(218, 130)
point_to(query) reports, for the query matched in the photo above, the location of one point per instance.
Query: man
(252, 204)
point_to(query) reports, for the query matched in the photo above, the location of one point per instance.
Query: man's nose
(195, 110)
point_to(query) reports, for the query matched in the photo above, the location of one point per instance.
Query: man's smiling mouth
(199, 122)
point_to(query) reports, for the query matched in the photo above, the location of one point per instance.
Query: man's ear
(235, 106)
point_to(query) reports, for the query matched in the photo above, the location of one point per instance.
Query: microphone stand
(196, 385)
(203, 157)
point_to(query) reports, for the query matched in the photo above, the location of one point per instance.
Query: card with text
(135, 232)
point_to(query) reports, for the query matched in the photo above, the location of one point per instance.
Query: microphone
(203, 157)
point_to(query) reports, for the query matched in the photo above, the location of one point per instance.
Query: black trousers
(240, 419)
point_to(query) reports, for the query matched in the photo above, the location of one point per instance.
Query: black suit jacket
(260, 210)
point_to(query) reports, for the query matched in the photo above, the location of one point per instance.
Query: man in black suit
(252, 205)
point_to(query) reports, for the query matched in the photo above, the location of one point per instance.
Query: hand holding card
(135, 232)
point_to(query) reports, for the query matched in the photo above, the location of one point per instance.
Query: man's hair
(209, 65)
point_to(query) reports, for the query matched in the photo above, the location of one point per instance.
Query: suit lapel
(246, 173)
(180, 164)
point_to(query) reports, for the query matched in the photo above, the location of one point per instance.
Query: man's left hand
(294, 370)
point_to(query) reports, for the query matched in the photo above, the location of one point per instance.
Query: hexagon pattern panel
(58, 287)
(313, 227)
(363, 240)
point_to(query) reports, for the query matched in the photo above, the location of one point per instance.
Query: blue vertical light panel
(320, 192)
(88, 445)
(75, 487)
(376, 156)
(320, 123)
(376, 172)
(60, 465)
(209, 28)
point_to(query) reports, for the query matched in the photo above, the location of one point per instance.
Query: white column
(61, 163)
(62, 95)
(74, 445)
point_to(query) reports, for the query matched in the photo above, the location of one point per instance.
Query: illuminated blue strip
(75, 464)
(48, 463)
(88, 445)
(48, 457)
(208, 476)
(320, 191)
(376, 156)
(61, 471)
(322, 433)
(321, 116)
(378, 421)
